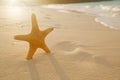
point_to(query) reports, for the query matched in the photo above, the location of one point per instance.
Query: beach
(81, 48)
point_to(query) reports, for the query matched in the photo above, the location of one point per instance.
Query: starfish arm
(21, 37)
(34, 23)
(47, 31)
(31, 52)
(45, 48)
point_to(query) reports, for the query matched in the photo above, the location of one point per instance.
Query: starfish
(36, 38)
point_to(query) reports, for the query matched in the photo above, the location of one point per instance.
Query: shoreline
(106, 13)
(106, 25)
(95, 17)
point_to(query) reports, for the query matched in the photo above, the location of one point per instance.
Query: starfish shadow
(61, 73)
(33, 70)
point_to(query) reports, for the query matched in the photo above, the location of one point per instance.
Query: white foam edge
(103, 23)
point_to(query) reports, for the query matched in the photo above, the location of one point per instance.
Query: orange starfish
(36, 38)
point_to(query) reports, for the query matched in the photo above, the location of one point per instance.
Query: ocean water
(106, 12)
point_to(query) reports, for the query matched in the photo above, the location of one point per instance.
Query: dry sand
(82, 49)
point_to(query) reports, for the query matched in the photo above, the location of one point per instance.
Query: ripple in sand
(68, 45)
(59, 26)
(73, 51)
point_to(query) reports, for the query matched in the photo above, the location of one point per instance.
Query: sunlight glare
(15, 11)
(11, 2)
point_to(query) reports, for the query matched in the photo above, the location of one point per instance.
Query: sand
(81, 49)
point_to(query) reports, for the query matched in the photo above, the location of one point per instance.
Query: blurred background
(38, 2)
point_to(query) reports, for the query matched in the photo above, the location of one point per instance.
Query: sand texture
(81, 49)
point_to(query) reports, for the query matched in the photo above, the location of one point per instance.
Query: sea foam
(107, 12)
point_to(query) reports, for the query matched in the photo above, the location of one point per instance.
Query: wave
(107, 13)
